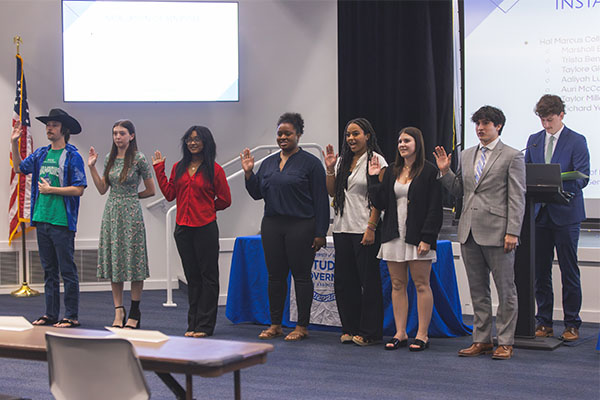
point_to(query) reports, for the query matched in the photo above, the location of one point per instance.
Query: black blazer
(424, 216)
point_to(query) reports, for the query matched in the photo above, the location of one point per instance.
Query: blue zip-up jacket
(72, 173)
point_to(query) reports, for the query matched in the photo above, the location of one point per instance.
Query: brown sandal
(268, 334)
(363, 341)
(295, 336)
(346, 338)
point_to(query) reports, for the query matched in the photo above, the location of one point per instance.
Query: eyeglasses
(193, 140)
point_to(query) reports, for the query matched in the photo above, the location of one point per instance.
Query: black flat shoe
(124, 317)
(44, 320)
(421, 345)
(395, 344)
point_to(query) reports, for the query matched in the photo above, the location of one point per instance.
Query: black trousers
(199, 251)
(565, 239)
(357, 283)
(287, 244)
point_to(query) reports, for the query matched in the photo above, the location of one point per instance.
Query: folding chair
(94, 368)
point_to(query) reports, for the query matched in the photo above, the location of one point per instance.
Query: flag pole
(24, 290)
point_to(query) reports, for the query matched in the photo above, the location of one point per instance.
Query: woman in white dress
(411, 197)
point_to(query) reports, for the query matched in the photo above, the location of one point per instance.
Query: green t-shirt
(50, 208)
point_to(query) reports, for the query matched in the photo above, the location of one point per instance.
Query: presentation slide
(150, 51)
(518, 50)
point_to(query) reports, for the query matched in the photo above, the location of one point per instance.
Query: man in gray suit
(491, 178)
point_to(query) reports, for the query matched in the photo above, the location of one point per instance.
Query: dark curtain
(395, 69)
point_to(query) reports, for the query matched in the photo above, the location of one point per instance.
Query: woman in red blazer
(200, 187)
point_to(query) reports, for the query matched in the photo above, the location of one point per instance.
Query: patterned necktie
(549, 149)
(480, 165)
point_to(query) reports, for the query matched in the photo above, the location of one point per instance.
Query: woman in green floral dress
(122, 254)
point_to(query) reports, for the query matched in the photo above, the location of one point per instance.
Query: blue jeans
(56, 245)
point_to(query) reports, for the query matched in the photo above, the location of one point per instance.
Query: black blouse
(298, 190)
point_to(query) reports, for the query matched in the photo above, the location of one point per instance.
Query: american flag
(20, 185)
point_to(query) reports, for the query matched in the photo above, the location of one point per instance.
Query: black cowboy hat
(56, 114)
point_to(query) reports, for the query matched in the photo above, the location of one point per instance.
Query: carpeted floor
(321, 368)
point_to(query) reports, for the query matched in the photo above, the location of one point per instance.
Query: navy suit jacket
(572, 153)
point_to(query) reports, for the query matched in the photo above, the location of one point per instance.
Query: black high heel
(124, 317)
(137, 318)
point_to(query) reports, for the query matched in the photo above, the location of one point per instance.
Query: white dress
(397, 249)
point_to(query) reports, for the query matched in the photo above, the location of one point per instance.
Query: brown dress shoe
(476, 349)
(544, 331)
(503, 353)
(570, 334)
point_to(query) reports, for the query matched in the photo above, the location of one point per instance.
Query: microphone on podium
(529, 147)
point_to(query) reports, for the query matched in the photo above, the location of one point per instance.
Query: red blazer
(197, 200)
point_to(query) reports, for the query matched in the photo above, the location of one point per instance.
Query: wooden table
(189, 356)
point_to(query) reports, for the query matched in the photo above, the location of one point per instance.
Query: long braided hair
(346, 155)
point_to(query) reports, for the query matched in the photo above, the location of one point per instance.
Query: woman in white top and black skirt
(356, 239)
(411, 196)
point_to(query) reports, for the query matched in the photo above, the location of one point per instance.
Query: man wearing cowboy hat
(59, 171)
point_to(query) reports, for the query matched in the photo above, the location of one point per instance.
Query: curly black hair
(292, 118)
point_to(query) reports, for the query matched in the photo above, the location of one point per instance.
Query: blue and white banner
(324, 307)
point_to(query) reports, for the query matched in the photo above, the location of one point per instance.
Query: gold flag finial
(17, 40)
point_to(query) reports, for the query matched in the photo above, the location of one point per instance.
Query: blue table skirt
(247, 297)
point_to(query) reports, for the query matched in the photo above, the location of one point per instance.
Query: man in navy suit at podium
(557, 226)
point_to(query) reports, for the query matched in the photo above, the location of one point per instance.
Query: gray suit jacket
(496, 204)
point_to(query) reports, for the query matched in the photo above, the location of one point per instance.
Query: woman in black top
(411, 197)
(292, 184)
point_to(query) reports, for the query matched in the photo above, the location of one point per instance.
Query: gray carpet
(321, 368)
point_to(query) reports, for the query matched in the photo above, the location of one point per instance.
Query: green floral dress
(122, 254)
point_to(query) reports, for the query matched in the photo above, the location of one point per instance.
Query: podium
(543, 186)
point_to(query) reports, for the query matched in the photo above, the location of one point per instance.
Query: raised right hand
(247, 160)
(442, 159)
(330, 158)
(92, 157)
(157, 158)
(16, 131)
(374, 167)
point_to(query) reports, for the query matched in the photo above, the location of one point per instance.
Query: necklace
(193, 166)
